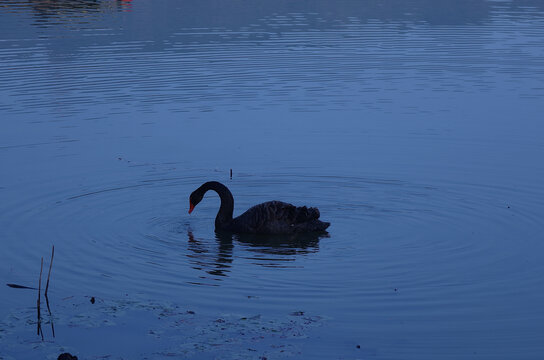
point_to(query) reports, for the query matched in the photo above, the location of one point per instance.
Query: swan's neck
(224, 215)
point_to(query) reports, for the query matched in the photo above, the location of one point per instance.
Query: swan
(271, 217)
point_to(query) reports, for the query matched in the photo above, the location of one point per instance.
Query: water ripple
(299, 65)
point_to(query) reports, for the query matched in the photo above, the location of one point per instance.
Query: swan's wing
(275, 217)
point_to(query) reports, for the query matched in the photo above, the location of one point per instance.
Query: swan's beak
(191, 207)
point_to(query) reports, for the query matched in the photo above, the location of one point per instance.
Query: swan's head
(194, 199)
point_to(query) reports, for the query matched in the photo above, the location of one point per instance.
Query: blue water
(415, 127)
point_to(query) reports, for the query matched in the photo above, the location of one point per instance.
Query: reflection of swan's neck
(224, 215)
(201, 259)
(191, 236)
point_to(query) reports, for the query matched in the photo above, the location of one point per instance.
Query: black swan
(272, 217)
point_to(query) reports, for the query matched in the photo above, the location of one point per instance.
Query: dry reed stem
(49, 274)
(38, 302)
(47, 288)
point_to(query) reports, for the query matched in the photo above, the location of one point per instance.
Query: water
(414, 127)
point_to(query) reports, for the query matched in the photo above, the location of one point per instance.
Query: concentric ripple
(136, 237)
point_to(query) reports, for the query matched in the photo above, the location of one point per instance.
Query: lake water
(414, 126)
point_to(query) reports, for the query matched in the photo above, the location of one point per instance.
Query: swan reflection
(202, 257)
(216, 259)
(278, 244)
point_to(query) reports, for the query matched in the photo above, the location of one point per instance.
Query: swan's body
(272, 217)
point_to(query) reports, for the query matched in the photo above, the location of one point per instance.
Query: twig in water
(38, 302)
(48, 276)
(47, 288)
(15, 286)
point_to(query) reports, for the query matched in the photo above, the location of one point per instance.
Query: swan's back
(276, 217)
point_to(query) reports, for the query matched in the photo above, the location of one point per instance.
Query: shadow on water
(239, 13)
(281, 247)
(234, 14)
(66, 9)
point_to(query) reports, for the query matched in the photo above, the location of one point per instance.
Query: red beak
(191, 207)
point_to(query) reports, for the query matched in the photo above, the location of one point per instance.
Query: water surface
(415, 128)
